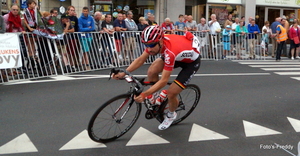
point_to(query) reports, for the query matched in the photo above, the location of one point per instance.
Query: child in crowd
(265, 38)
(226, 40)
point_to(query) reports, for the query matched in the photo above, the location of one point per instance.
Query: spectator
(72, 42)
(72, 16)
(253, 30)
(130, 42)
(151, 20)
(142, 24)
(86, 24)
(233, 40)
(203, 29)
(244, 21)
(54, 12)
(98, 21)
(191, 24)
(287, 28)
(68, 28)
(267, 35)
(12, 20)
(249, 20)
(214, 28)
(294, 34)
(13, 23)
(295, 56)
(281, 38)
(97, 40)
(168, 27)
(228, 21)
(31, 24)
(185, 18)
(274, 33)
(180, 26)
(265, 39)
(241, 31)
(235, 24)
(124, 16)
(226, 41)
(119, 25)
(108, 27)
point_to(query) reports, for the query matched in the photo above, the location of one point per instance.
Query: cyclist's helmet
(152, 34)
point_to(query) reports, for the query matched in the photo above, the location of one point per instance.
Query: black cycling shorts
(187, 72)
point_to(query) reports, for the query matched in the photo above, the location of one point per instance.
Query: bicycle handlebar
(130, 79)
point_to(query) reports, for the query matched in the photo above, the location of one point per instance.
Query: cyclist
(176, 51)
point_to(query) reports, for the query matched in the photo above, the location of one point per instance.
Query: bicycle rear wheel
(114, 118)
(188, 100)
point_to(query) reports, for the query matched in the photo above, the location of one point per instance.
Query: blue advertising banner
(23, 4)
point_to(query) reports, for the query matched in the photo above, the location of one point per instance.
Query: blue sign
(23, 4)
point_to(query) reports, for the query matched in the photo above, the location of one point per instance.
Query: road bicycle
(118, 115)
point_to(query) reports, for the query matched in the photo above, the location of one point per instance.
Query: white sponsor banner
(279, 3)
(225, 1)
(10, 54)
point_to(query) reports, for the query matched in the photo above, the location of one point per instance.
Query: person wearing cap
(253, 30)
(226, 40)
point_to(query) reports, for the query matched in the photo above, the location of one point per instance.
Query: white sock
(170, 114)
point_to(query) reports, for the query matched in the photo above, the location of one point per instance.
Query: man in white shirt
(215, 28)
(233, 40)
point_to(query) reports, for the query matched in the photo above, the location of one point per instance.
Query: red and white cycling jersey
(178, 48)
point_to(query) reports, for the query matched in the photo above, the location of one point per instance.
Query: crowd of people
(109, 33)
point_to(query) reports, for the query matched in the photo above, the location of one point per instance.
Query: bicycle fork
(125, 112)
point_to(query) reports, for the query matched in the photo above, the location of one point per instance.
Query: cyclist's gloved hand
(140, 98)
(118, 76)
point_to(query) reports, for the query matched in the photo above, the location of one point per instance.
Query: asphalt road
(243, 111)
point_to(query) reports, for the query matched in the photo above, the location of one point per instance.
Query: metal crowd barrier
(81, 52)
(241, 47)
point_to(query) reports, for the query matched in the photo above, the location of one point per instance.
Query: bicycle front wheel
(114, 118)
(188, 100)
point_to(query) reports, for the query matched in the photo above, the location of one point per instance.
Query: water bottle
(162, 97)
(151, 99)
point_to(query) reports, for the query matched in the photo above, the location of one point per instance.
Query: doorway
(272, 13)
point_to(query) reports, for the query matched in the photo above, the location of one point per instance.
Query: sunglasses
(151, 45)
(15, 9)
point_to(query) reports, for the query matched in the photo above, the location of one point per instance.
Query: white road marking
(272, 66)
(199, 133)
(144, 137)
(280, 69)
(83, 77)
(295, 123)
(252, 130)
(21, 144)
(81, 141)
(287, 73)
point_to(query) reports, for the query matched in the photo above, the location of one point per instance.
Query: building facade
(261, 10)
